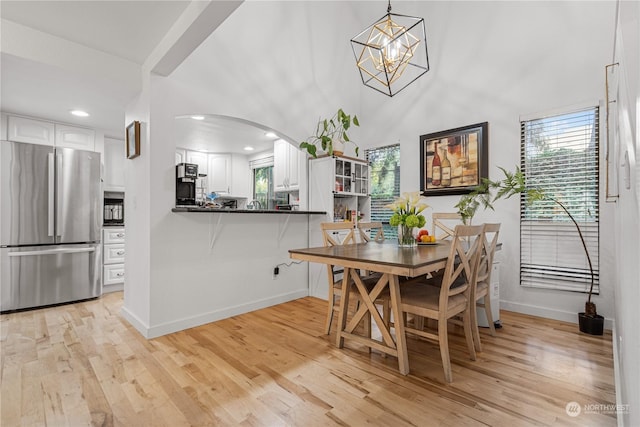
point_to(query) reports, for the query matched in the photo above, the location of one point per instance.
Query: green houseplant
(514, 183)
(331, 134)
(407, 215)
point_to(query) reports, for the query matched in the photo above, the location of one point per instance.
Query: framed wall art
(454, 161)
(133, 140)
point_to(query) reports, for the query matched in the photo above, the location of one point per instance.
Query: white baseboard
(112, 288)
(135, 321)
(201, 319)
(549, 313)
(616, 374)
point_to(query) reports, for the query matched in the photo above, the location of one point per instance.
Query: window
(384, 183)
(559, 154)
(263, 185)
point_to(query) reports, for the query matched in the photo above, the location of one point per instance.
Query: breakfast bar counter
(246, 211)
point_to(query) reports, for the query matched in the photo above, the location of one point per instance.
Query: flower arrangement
(407, 216)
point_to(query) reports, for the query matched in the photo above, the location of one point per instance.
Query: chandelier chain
(389, 7)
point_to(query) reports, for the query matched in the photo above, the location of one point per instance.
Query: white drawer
(113, 254)
(113, 274)
(113, 235)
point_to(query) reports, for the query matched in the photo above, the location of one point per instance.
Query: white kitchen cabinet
(75, 137)
(286, 166)
(219, 173)
(113, 250)
(31, 131)
(34, 131)
(200, 159)
(114, 154)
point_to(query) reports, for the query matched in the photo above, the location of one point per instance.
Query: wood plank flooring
(83, 364)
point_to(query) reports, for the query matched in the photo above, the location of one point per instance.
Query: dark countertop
(246, 211)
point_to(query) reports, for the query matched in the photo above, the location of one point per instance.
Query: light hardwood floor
(83, 364)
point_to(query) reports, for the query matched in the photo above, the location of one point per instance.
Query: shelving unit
(340, 187)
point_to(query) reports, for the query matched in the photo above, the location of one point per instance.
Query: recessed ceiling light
(79, 113)
(248, 148)
(270, 135)
(197, 117)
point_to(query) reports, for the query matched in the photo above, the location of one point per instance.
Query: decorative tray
(428, 243)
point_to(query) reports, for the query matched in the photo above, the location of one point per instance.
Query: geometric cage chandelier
(392, 52)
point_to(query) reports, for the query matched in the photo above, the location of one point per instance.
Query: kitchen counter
(246, 211)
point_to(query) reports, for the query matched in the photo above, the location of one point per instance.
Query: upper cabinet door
(294, 167)
(280, 164)
(77, 138)
(114, 154)
(199, 159)
(286, 166)
(220, 173)
(21, 129)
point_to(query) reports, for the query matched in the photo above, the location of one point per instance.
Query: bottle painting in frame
(454, 161)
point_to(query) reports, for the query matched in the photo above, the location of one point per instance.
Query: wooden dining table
(392, 262)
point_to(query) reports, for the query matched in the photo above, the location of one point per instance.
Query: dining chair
(365, 229)
(334, 234)
(443, 224)
(450, 299)
(483, 281)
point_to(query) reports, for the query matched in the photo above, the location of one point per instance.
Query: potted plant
(513, 183)
(331, 134)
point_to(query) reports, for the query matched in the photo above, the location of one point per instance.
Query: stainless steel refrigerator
(50, 220)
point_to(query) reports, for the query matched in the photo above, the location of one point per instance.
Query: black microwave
(113, 211)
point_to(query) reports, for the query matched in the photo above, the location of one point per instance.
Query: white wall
(138, 179)
(627, 225)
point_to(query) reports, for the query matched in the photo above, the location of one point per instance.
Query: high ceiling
(79, 54)
(127, 29)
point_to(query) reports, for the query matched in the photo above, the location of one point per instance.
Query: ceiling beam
(195, 24)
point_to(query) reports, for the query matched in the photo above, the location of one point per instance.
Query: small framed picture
(133, 140)
(454, 161)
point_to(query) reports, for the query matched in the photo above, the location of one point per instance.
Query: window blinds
(384, 183)
(559, 154)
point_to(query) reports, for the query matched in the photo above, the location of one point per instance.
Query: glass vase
(406, 239)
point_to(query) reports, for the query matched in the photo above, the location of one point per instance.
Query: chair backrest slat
(462, 263)
(365, 229)
(444, 224)
(489, 243)
(331, 239)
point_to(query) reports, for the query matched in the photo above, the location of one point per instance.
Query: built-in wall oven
(113, 208)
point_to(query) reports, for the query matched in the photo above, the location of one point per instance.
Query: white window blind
(384, 183)
(559, 154)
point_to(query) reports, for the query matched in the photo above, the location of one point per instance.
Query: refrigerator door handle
(52, 252)
(59, 195)
(51, 196)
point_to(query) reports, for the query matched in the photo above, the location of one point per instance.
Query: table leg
(344, 306)
(401, 339)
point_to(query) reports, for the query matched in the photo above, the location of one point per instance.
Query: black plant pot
(591, 325)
